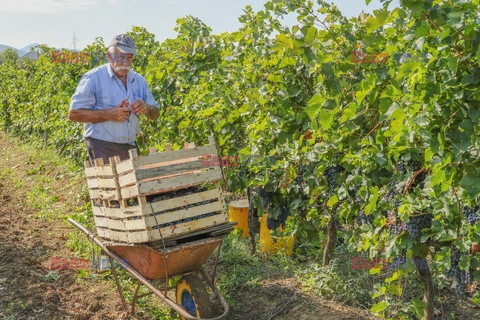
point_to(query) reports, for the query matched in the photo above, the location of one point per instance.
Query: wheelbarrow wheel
(192, 295)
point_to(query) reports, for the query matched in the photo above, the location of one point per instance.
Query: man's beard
(128, 69)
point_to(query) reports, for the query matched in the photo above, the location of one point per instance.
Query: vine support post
(331, 241)
(428, 290)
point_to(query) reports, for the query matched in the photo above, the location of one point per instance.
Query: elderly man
(109, 100)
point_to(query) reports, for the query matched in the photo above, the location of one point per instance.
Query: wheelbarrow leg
(135, 298)
(119, 288)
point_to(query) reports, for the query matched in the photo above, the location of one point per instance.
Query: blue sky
(54, 21)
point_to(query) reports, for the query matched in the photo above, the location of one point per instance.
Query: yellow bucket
(268, 244)
(238, 212)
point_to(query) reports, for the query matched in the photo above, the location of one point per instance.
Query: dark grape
(462, 278)
(363, 218)
(471, 214)
(331, 175)
(265, 197)
(416, 224)
(274, 223)
(396, 228)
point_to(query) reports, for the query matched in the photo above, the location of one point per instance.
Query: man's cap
(123, 43)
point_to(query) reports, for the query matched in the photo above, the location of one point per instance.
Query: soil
(27, 290)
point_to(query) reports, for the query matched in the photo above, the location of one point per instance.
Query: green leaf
(314, 106)
(379, 307)
(418, 307)
(366, 86)
(471, 183)
(452, 64)
(332, 201)
(325, 118)
(478, 55)
(377, 21)
(311, 34)
(349, 112)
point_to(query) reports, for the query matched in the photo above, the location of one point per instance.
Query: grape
(396, 228)
(363, 218)
(471, 214)
(331, 175)
(274, 223)
(391, 193)
(461, 278)
(265, 197)
(417, 223)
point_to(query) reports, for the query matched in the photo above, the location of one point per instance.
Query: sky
(54, 22)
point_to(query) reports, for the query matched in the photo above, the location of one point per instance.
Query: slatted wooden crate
(122, 194)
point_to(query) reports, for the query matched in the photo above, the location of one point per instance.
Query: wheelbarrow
(145, 263)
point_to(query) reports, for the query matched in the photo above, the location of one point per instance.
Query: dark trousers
(104, 149)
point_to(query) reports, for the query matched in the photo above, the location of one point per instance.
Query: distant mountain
(5, 47)
(27, 48)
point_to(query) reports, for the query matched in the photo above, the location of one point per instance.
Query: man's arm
(117, 114)
(152, 112)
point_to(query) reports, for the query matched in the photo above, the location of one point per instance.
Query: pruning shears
(126, 104)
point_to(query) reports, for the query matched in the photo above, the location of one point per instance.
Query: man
(109, 100)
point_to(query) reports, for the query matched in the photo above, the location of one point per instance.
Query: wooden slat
(127, 179)
(153, 221)
(116, 224)
(175, 155)
(100, 221)
(108, 183)
(103, 194)
(90, 172)
(103, 171)
(92, 183)
(116, 212)
(125, 166)
(179, 181)
(218, 229)
(171, 169)
(180, 201)
(130, 192)
(154, 235)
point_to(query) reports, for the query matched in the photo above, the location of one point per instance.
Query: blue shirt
(101, 89)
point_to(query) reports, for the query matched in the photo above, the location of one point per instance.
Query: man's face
(121, 62)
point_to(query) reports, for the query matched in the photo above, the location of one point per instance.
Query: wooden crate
(122, 195)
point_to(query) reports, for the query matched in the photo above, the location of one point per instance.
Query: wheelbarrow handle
(180, 310)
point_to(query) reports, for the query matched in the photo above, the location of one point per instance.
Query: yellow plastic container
(268, 244)
(238, 212)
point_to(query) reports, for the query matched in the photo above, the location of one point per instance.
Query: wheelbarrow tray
(178, 259)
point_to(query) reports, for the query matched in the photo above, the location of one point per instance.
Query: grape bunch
(364, 219)
(265, 197)
(352, 192)
(331, 175)
(390, 196)
(300, 175)
(471, 214)
(274, 223)
(396, 228)
(461, 278)
(300, 180)
(417, 223)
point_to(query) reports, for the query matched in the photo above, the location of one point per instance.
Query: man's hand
(139, 106)
(119, 113)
